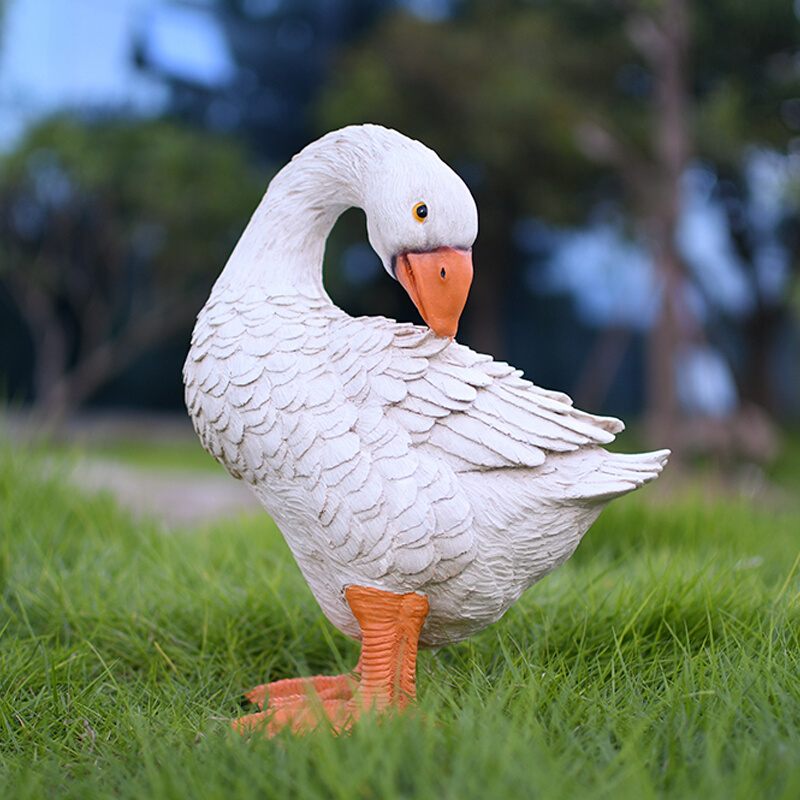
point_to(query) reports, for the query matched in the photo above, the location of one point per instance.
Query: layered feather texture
(389, 457)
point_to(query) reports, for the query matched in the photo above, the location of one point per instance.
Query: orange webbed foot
(384, 679)
(324, 687)
(300, 715)
(299, 703)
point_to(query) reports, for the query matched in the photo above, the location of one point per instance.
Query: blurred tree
(275, 56)
(548, 107)
(714, 97)
(110, 237)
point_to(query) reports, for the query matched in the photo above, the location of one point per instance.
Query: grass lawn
(184, 454)
(662, 661)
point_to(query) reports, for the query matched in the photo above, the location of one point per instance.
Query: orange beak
(438, 282)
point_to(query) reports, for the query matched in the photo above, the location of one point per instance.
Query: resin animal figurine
(421, 487)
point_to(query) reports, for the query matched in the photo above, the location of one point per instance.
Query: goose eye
(420, 212)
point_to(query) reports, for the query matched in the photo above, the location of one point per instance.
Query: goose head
(422, 222)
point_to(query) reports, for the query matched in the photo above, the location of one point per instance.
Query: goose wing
(464, 407)
(480, 416)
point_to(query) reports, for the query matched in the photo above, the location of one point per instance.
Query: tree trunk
(664, 41)
(61, 398)
(50, 342)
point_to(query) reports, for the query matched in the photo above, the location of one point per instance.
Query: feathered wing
(482, 414)
(488, 423)
(359, 430)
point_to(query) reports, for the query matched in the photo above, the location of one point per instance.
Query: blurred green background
(636, 165)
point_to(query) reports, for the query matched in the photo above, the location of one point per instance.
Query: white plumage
(389, 457)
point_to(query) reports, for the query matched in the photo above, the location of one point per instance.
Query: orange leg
(384, 678)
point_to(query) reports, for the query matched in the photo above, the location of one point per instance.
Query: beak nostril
(443, 273)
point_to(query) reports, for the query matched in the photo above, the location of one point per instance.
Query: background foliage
(561, 116)
(112, 235)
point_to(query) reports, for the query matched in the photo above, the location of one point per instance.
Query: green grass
(662, 661)
(174, 453)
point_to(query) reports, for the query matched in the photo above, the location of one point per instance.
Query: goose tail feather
(621, 473)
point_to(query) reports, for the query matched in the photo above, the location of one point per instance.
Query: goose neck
(283, 246)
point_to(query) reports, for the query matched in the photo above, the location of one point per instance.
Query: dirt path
(177, 497)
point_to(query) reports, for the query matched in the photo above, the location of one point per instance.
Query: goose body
(390, 457)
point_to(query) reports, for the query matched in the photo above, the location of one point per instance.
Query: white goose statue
(422, 487)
